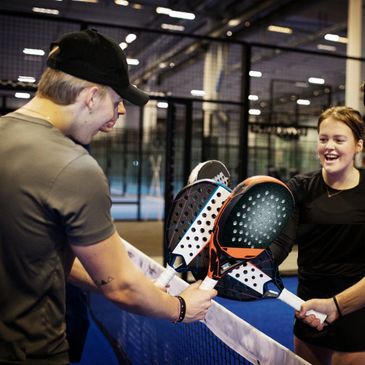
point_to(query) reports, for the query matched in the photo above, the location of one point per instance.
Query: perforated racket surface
(190, 223)
(214, 170)
(211, 169)
(266, 283)
(229, 286)
(191, 220)
(249, 221)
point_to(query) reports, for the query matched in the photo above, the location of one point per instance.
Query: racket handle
(295, 302)
(165, 277)
(208, 283)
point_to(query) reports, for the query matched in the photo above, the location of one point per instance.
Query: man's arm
(115, 275)
(79, 277)
(348, 301)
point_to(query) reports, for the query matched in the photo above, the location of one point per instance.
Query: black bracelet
(337, 306)
(182, 309)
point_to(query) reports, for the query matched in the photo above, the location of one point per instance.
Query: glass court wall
(249, 105)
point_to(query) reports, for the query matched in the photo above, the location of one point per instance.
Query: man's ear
(89, 97)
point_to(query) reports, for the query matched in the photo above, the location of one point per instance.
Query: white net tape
(239, 335)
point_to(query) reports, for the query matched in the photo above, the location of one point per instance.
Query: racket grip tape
(165, 277)
(295, 302)
(208, 283)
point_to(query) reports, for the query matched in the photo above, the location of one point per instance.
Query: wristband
(337, 306)
(182, 309)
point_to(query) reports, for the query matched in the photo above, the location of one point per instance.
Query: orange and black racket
(253, 216)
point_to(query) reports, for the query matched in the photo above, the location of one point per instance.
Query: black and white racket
(190, 224)
(211, 169)
(253, 216)
(254, 278)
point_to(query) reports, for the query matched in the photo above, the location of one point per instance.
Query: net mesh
(223, 338)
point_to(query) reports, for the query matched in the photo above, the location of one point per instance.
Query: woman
(329, 228)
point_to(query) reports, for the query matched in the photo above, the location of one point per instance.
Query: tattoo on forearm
(103, 281)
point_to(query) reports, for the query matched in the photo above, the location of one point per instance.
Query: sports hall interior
(242, 82)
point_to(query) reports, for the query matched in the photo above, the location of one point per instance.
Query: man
(55, 205)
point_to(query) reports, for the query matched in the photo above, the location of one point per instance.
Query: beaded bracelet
(337, 306)
(182, 309)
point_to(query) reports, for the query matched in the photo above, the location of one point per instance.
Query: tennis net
(223, 338)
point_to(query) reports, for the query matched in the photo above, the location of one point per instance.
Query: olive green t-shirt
(52, 192)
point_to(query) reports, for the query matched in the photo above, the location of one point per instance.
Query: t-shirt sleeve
(79, 198)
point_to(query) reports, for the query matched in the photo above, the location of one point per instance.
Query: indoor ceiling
(308, 19)
(244, 20)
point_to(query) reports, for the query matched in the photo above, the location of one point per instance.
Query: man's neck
(58, 115)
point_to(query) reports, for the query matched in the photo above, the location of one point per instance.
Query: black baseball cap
(93, 57)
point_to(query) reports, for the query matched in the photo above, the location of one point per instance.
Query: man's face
(102, 117)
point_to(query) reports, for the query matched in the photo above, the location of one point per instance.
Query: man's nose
(121, 108)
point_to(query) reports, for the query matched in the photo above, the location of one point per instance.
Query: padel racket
(190, 224)
(253, 216)
(211, 169)
(265, 285)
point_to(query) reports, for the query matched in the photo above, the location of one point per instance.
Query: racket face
(233, 285)
(191, 219)
(254, 217)
(212, 169)
(255, 277)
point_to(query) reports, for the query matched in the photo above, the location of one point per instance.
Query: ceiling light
(254, 111)
(34, 51)
(229, 34)
(175, 14)
(335, 38)
(255, 73)
(121, 2)
(316, 80)
(123, 45)
(326, 47)
(301, 84)
(197, 92)
(137, 6)
(303, 102)
(253, 97)
(22, 95)
(176, 27)
(162, 105)
(45, 11)
(130, 38)
(279, 29)
(132, 61)
(234, 22)
(26, 79)
(162, 65)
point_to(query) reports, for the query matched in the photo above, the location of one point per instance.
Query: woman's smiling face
(336, 146)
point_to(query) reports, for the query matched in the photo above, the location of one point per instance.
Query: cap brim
(133, 95)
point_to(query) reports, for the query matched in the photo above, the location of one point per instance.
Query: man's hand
(197, 302)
